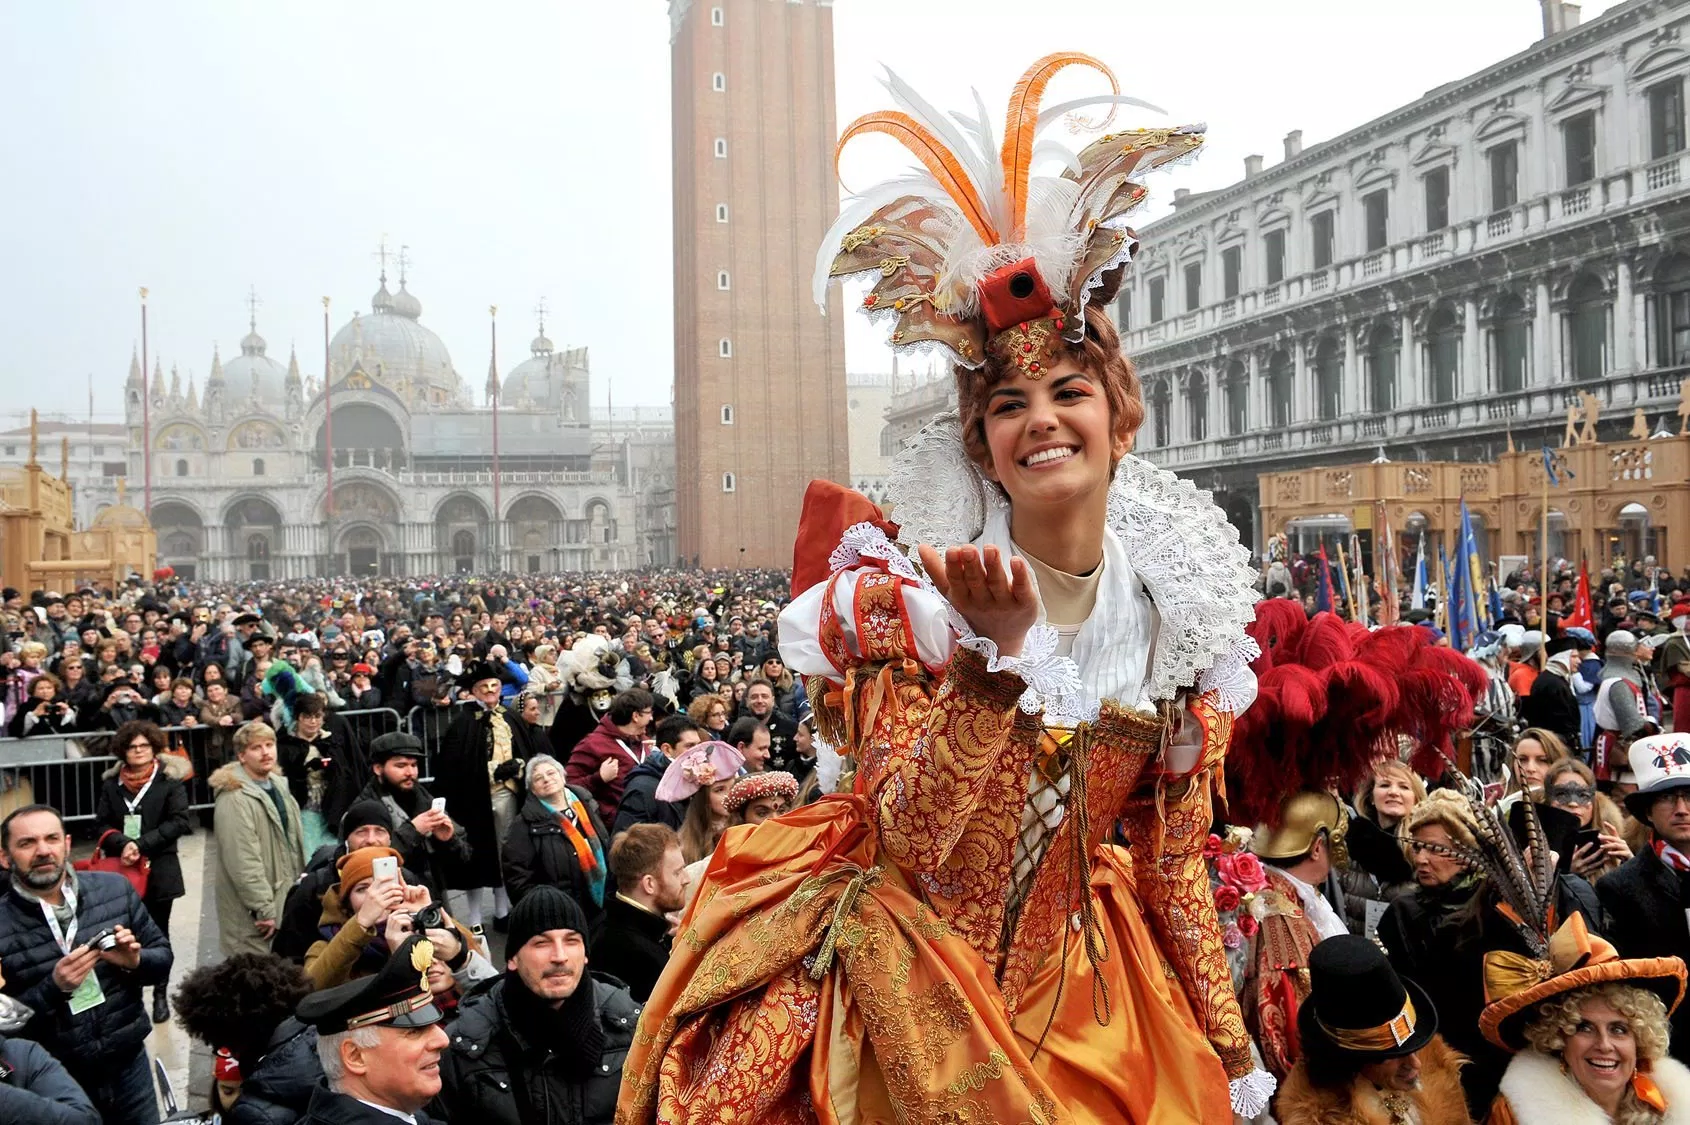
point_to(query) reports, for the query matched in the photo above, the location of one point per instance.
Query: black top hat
(476, 672)
(1358, 1008)
(397, 995)
(396, 744)
(247, 619)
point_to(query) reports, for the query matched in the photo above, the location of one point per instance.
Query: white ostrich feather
(1055, 112)
(984, 171)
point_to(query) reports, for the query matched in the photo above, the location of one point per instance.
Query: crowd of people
(589, 742)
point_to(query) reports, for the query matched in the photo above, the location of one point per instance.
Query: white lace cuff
(1250, 1094)
(1230, 677)
(1049, 678)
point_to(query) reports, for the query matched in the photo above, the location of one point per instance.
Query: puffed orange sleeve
(1168, 823)
(939, 756)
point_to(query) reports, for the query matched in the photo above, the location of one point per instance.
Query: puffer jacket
(278, 1089)
(537, 852)
(40, 1090)
(486, 1057)
(106, 1033)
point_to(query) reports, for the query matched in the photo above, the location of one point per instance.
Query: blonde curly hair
(1558, 1018)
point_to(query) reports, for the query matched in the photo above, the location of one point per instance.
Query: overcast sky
(521, 150)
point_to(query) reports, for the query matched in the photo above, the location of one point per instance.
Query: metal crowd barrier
(429, 725)
(66, 771)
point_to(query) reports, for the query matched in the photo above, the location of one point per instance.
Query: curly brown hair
(1098, 354)
(238, 1003)
(1558, 1018)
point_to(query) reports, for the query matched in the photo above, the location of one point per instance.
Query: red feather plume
(1332, 697)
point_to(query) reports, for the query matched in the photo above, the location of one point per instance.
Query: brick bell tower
(759, 371)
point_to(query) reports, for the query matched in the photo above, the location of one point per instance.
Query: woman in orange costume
(957, 938)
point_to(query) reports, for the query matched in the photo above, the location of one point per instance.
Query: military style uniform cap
(397, 996)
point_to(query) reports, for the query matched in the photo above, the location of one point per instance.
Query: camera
(430, 917)
(104, 941)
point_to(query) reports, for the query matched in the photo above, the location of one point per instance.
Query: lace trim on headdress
(1175, 536)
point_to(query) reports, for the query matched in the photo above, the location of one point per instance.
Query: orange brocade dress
(859, 960)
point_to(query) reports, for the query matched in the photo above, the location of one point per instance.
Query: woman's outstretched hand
(998, 606)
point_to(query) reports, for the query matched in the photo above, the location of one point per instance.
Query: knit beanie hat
(362, 814)
(544, 908)
(358, 866)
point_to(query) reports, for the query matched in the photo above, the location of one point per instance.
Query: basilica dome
(398, 351)
(254, 368)
(548, 379)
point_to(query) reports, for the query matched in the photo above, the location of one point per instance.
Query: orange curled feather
(1022, 123)
(939, 160)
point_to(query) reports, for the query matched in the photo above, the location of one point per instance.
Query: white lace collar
(1176, 538)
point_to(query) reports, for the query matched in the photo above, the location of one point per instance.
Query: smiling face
(1049, 440)
(1601, 1053)
(1393, 796)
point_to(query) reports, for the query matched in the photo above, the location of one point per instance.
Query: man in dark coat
(1645, 897)
(39, 1090)
(547, 1041)
(675, 735)
(431, 843)
(400, 1073)
(602, 761)
(478, 770)
(633, 941)
(87, 1001)
(1551, 703)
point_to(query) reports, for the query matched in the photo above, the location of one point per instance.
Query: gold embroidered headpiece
(977, 255)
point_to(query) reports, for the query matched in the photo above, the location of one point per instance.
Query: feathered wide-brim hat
(1516, 985)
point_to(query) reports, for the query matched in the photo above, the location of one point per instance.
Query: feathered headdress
(976, 253)
(1331, 698)
(283, 684)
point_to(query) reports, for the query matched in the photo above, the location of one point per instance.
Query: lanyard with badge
(88, 994)
(639, 757)
(132, 818)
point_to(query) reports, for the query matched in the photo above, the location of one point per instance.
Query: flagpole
(1543, 587)
(146, 418)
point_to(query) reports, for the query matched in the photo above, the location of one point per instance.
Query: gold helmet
(1302, 818)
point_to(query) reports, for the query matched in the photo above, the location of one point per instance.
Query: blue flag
(1467, 585)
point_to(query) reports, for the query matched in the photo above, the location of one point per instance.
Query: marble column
(1216, 382)
(1472, 381)
(1302, 391)
(1353, 398)
(1408, 364)
(1627, 335)
(1543, 338)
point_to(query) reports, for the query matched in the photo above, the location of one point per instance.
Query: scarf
(134, 778)
(569, 1038)
(1671, 856)
(578, 830)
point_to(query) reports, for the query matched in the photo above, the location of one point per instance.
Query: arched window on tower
(1329, 379)
(1197, 406)
(1237, 398)
(1672, 312)
(181, 468)
(1443, 353)
(1511, 343)
(258, 466)
(1279, 389)
(1382, 354)
(1586, 341)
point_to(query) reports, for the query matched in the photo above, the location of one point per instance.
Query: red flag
(1581, 616)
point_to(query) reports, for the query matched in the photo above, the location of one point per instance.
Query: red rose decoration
(1248, 925)
(1213, 846)
(1227, 898)
(1247, 872)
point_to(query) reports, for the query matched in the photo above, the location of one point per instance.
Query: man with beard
(78, 949)
(760, 705)
(547, 1041)
(634, 939)
(430, 841)
(1371, 1051)
(380, 1042)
